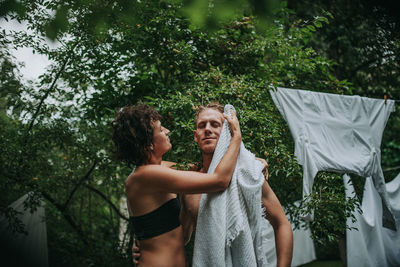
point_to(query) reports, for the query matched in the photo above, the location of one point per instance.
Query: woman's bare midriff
(164, 250)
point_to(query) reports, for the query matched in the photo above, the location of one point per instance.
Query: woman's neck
(155, 160)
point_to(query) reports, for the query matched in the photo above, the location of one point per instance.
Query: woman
(152, 188)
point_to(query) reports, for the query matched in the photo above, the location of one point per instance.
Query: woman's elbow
(222, 184)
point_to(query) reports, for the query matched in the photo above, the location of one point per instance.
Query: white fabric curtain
(373, 245)
(303, 247)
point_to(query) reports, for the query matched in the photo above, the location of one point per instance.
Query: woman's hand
(135, 253)
(234, 126)
(265, 169)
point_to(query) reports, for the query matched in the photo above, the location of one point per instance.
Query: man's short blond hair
(213, 105)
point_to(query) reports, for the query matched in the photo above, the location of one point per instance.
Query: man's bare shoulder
(188, 166)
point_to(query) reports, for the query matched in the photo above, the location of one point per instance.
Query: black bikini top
(159, 221)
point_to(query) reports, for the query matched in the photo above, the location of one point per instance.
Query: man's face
(208, 128)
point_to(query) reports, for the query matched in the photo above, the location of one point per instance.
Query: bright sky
(35, 64)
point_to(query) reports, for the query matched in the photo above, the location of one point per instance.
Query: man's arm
(189, 208)
(282, 228)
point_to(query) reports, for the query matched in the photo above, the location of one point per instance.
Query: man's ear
(195, 136)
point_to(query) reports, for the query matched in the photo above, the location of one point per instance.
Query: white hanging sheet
(337, 133)
(230, 224)
(372, 244)
(303, 245)
(19, 249)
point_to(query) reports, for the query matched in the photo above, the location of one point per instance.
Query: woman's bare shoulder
(140, 174)
(145, 176)
(147, 171)
(130, 181)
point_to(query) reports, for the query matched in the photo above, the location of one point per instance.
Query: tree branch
(391, 169)
(51, 88)
(107, 200)
(367, 63)
(86, 176)
(67, 217)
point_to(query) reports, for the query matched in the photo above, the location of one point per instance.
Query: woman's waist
(170, 240)
(163, 250)
(164, 257)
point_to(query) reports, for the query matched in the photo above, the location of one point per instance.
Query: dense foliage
(55, 132)
(362, 39)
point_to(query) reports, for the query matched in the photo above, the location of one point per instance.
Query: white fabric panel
(229, 228)
(303, 245)
(269, 243)
(25, 250)
(336, 133)
(393, 189)
(392, 237)
(372, 245)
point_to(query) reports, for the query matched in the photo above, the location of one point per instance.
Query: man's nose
(167, 130)
(208, 127)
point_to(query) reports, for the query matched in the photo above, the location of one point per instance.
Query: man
(209, 121)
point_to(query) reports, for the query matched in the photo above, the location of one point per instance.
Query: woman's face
(161, 143)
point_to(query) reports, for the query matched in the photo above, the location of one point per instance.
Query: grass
(317, 263)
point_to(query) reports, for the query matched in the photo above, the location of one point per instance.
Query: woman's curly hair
(133, 133)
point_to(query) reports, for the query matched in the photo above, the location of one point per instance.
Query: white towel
(230, 225)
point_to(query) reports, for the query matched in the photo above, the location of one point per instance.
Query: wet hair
(132, 133)
(213, 105)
